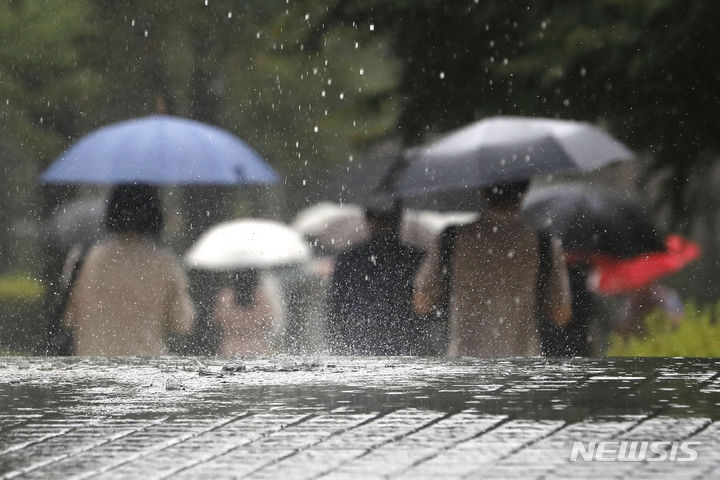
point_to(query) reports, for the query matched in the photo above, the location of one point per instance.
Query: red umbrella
(614, 276)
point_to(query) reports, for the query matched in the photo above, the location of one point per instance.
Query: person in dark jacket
(370, 294)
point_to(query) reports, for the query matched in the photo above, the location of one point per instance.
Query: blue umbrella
(160, 150)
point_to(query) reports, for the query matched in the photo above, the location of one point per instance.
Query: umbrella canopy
(505, 150)
(249, 243)
(592, 221)
(332, 228)
(614, 276)
(79, 222)
(358, 180)
(160, 150)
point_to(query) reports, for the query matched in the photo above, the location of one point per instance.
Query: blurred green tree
(646, 70)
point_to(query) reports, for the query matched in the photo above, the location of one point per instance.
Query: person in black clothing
(370, 294)
(572, 339)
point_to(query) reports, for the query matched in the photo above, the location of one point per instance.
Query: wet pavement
(332, 417)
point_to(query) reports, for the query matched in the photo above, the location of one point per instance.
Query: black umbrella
(505, 150)
(590, 220)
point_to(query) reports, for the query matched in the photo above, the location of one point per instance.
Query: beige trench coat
(129, 294)
(493, 293)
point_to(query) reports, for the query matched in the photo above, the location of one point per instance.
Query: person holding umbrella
(493, 277)
(370, 293)
(163, 150)
(593, 224)
(497, 280)
(130, 293)
(247, 308)
(638, 279)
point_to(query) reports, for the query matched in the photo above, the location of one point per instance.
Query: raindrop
(206, 3)
(322, 94)
(372, 27)
(505, 61)
(307, 16)
(583, 72)
(229, 14)
(357, 45)
(566, 102)
(342, 95)
(362, 71)
(146, 33)
(315, 129)
(442, 75)
(304, 182)
(132, 23)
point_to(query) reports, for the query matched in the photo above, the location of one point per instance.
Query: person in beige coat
(130, 292)
(494, 279)
(249, 314)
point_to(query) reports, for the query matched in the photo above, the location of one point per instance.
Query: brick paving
(352, 418)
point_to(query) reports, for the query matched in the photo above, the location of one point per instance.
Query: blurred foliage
(21, 298)
(45, 86)
(20, 288)
(311, 83)
(697, 336)
(646, 70)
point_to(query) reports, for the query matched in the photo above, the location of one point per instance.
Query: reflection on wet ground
(340, 417)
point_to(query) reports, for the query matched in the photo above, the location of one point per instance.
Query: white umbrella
(332, 227)
(422, 227)
(336, 227)
(249, 243)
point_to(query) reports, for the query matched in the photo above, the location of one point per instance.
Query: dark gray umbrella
(358, 180)
(591, 220)
(79, 222)
(505, 150)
